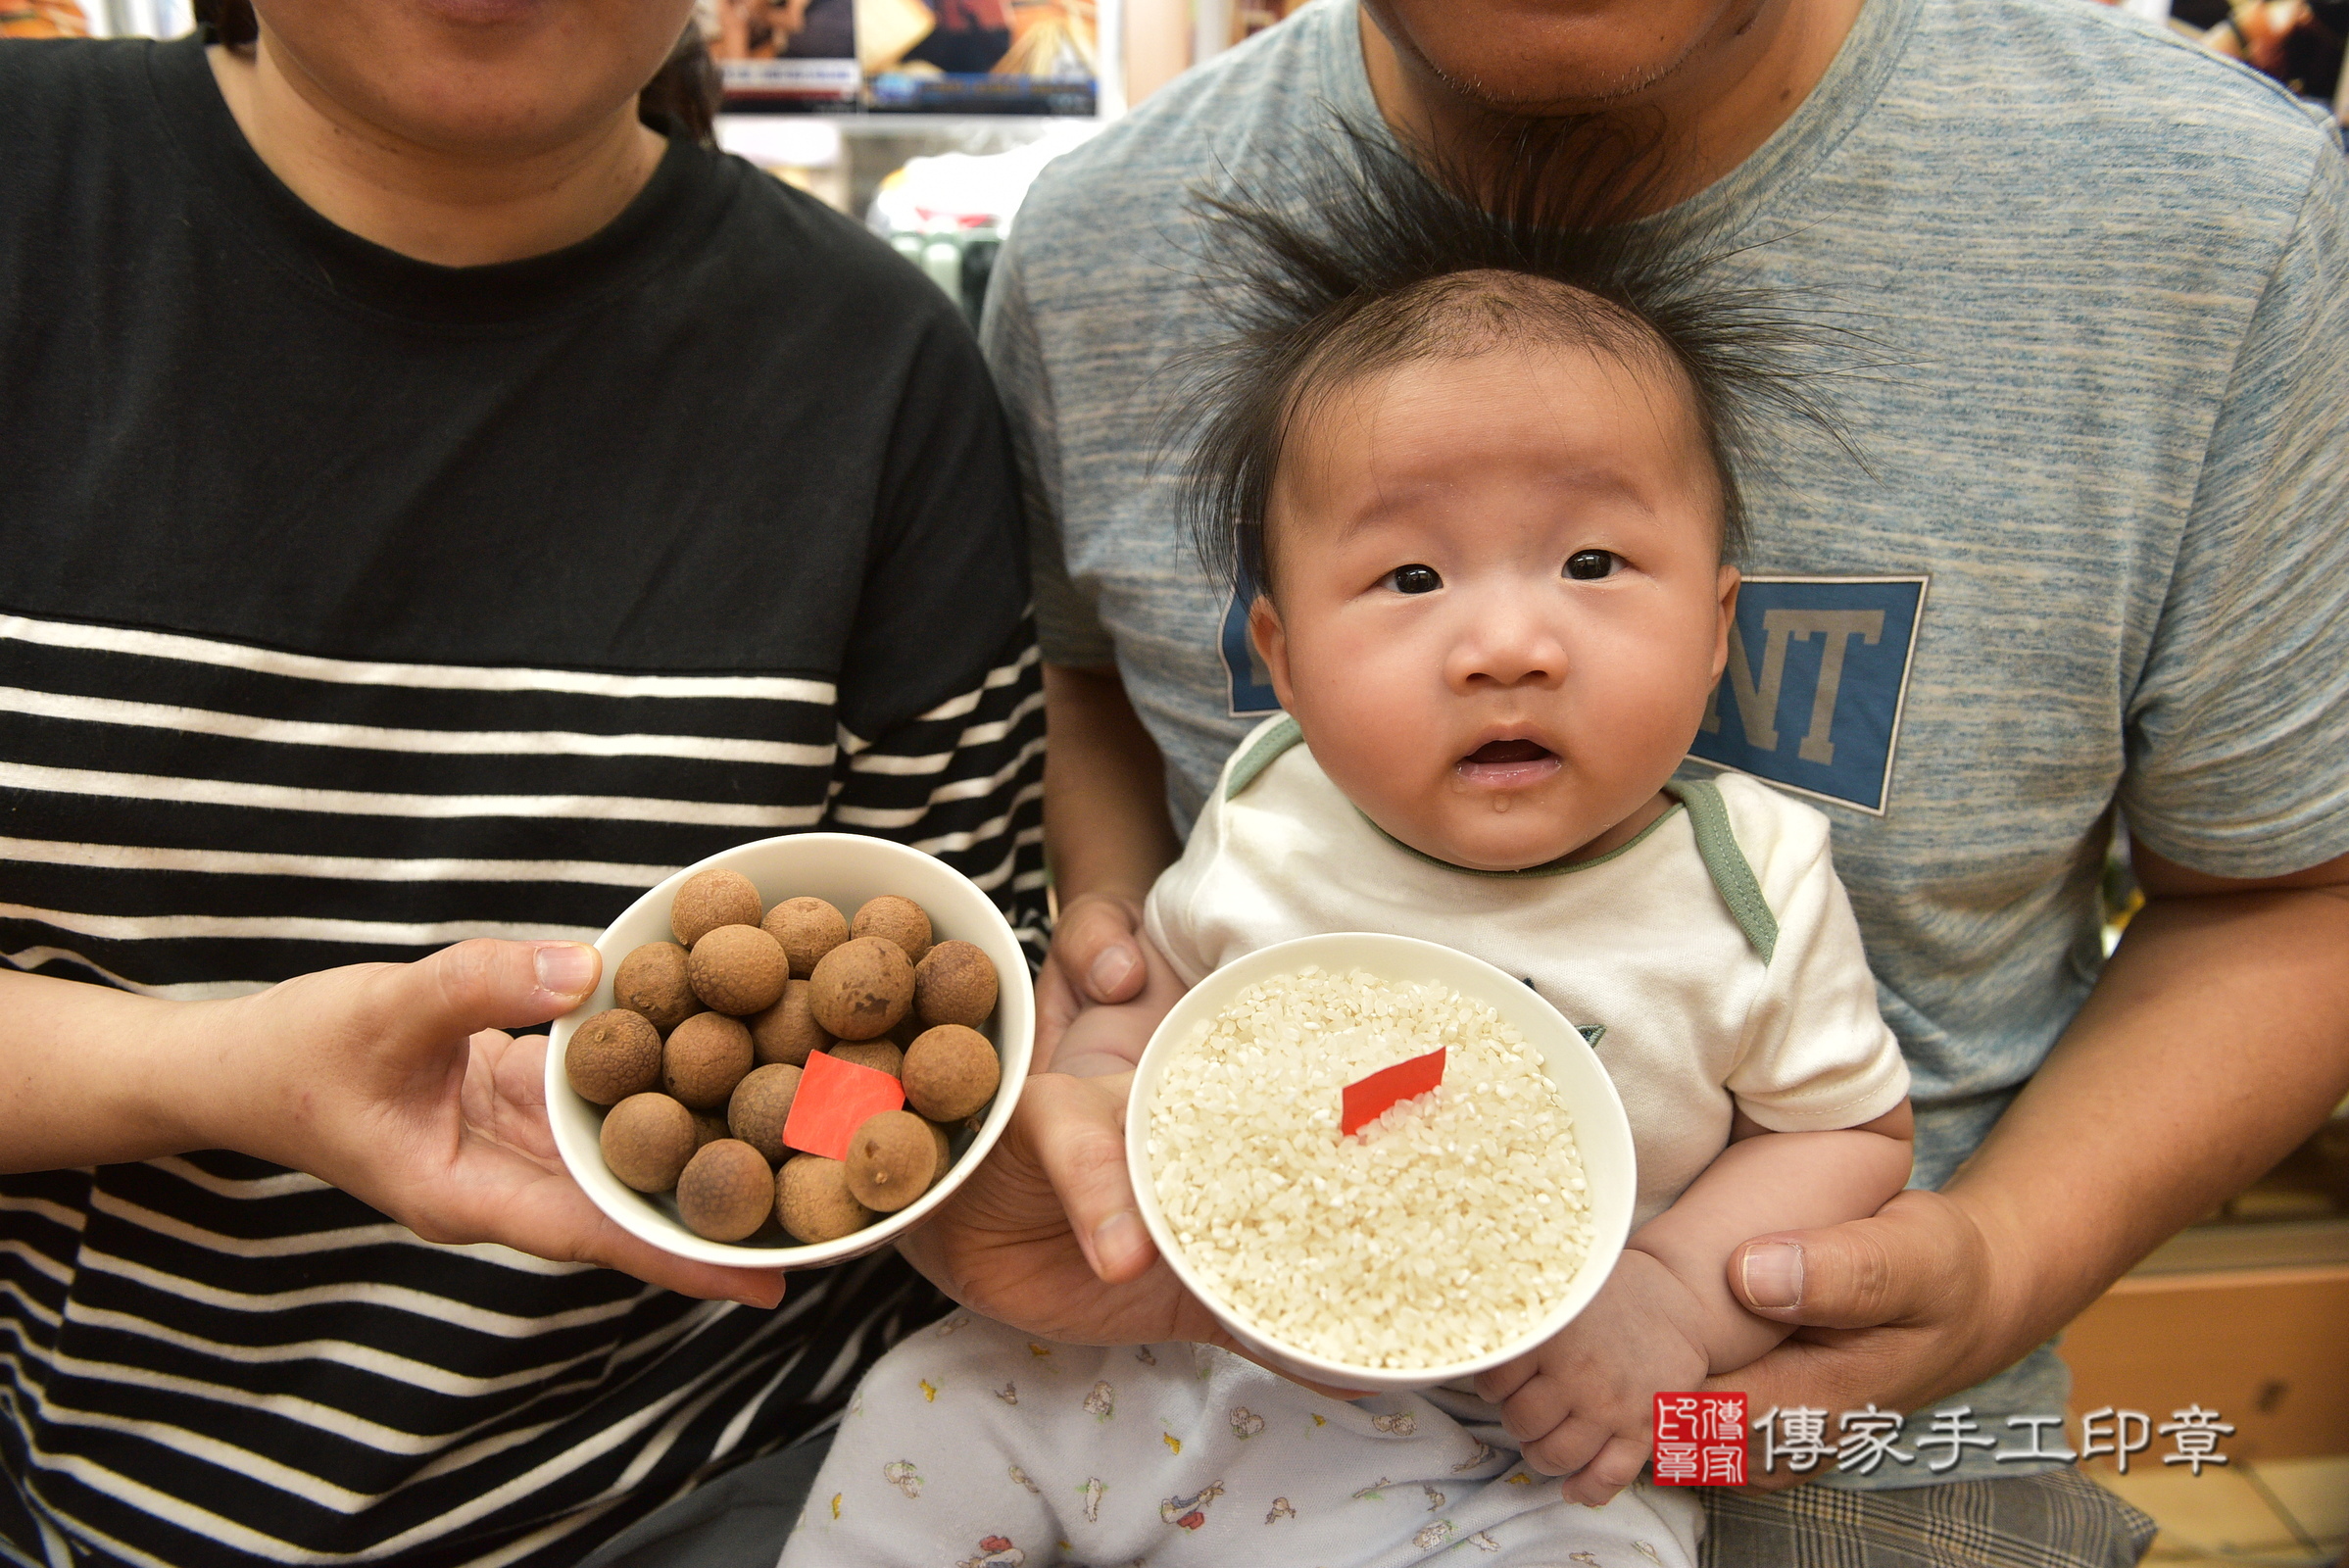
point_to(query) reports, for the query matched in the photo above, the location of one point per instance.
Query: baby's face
(1498, 606)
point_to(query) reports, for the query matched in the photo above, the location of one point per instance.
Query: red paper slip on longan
(1367, 1099)
(833, 1099)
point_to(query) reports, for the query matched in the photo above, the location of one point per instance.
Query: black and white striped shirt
(355, 811)
(350, 607)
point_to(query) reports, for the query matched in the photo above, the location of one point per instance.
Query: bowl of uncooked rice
(1455, 1231)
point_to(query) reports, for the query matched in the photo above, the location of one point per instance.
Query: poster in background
(787, 54)
(1012, 57)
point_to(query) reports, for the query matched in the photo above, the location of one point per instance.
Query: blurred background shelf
(2246, 1313)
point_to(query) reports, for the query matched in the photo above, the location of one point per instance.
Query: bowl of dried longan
(798, 1048)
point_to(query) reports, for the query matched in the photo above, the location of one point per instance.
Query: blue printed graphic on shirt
(1250, 683)
(1817, 671)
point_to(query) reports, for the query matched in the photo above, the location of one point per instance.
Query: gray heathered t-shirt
(2101, 558)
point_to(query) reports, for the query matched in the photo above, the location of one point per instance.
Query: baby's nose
(1507, 646)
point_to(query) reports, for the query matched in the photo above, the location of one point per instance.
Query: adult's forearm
(1104, 802)
(395, 1082)
(95, 1075)
(2216, 1039)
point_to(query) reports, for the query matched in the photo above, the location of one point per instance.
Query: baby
(1478, 466)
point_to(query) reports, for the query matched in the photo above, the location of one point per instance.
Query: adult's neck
(453, 207)
(1716, 105)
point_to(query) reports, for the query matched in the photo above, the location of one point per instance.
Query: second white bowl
(1600, 1129)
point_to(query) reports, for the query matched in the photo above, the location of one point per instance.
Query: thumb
(1097, 949)
(1077, 1129)
(483, 984)
(1887, 1268)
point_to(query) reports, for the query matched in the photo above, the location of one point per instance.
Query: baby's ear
(1271, 638)
(1726, 583)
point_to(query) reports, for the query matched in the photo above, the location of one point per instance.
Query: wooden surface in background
(2266, 1348)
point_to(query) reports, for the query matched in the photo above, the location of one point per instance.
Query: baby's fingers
(1537, 1407)
(1569, 1445)
(1615, 1466)
(1500, 1385)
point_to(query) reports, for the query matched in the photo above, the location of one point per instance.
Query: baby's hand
(1107, 1037)
(1583, 1406)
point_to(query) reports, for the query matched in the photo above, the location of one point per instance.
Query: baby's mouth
(1508, 763)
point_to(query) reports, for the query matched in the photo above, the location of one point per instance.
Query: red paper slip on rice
(1366, 1100)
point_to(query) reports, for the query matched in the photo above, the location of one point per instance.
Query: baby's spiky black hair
(1363, 255)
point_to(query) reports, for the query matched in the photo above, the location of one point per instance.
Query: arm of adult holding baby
(1108, 835)
(1106, 831)
(2217, 1037)
(393, 1082)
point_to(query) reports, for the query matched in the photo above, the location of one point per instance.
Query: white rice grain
(1441, 1232)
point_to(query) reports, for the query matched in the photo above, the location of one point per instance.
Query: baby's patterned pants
(971, 1446)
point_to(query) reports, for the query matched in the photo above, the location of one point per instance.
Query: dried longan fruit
(861, 988)
(900, 920)
(813, 1203)
(708, 900)
(788, 1032)
(706, 1056)
(725, 1191)
(892, 1160)
(950, 1072)
(651, 980)
(613, 1054)
(945, 1144)
(738, 970)
(878, 1055)
(761, 1105)
(807, 928)
(647, 1139)
(708, 1128)
(954, 982)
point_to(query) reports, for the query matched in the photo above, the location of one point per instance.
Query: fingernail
(1118, 1237)
(1773, 1272)
(566, 969)
(1110, 970)
(761, 1301)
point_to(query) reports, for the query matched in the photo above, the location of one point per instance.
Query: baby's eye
(1414, 579)
(1587, 565)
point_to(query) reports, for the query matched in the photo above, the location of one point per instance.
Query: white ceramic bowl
(1599, 1126)
(846, 869)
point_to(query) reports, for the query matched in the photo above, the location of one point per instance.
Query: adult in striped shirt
(440, 500)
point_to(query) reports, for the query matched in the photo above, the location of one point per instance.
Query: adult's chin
(483, 78)
(1551, 58)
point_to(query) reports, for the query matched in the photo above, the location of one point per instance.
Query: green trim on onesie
(1259, 756)
(1708, 820)
(1726, 864)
